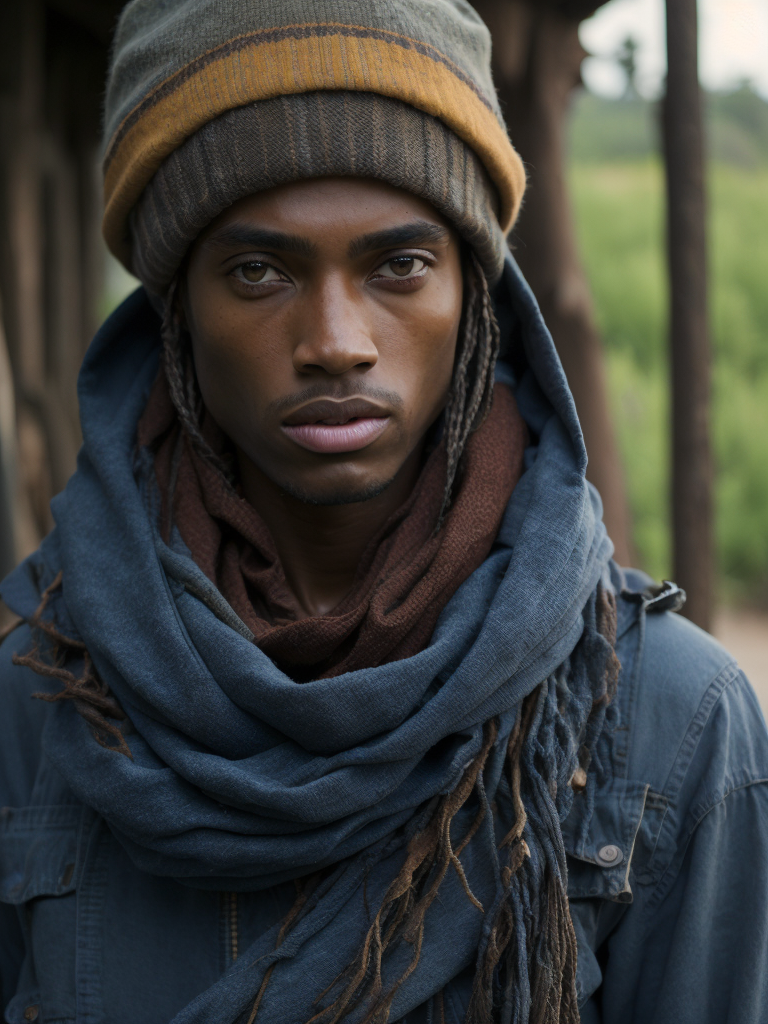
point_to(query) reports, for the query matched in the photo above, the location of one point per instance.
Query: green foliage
(619, 211)
(738, 127)
(603, 130)
(600, 130)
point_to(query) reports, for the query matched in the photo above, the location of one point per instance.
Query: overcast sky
(733, 44)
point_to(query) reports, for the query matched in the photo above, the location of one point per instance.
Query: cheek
(429, 353)
(235, 370)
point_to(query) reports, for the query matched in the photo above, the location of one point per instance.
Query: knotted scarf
(417, 802)
(405, 577)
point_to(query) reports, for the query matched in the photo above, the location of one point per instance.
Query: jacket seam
(673, 868)
(729, 792)
(709, 700)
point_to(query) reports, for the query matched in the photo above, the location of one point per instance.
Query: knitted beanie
(209, 101)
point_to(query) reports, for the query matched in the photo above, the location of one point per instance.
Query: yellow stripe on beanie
(297, 59)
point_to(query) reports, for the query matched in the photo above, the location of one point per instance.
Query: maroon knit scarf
(405, 578)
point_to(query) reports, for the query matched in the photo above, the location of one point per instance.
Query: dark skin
(324, 314)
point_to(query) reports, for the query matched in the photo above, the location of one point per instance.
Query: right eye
(255, 272)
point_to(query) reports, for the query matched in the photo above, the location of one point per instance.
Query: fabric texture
(180, 67)
(405, 578)
(241, 778)
(674, 932)
(310, 135)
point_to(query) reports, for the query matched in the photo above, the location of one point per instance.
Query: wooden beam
(24, 205)
(536, 62)
(691, 486)
(8, 482)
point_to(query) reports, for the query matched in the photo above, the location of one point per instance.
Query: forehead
(342, 206)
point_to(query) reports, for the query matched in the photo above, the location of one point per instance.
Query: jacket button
(31, 1013)
(609, 856)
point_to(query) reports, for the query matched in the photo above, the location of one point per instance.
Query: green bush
(602, 130)
(619, 210)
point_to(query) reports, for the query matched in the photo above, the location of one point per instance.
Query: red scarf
(405, 578)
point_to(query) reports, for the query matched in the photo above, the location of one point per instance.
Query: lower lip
(343, 437)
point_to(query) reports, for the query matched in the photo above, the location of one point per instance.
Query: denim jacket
(668, 866)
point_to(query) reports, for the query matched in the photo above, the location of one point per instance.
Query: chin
(337, 494)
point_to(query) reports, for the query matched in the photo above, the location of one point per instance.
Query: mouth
(331, 427)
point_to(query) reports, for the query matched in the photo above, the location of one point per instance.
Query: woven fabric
(405, 578)
(178, 66)
(242, 778)
(313, 135)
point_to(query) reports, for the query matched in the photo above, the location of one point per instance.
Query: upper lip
(327, 409)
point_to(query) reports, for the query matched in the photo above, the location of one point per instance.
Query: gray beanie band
(311, 135)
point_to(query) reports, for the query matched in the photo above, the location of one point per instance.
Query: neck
(320, 546)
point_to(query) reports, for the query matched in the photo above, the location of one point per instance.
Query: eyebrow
(418, 231)
(233, 236)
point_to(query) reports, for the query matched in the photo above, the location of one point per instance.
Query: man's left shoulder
(691, 710)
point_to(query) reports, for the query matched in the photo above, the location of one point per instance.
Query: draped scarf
(405, 577)
(422, 796)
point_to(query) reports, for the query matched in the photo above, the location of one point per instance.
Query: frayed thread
(89, 694)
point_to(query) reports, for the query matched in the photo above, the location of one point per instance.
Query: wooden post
(7, 460)
(688, 323)
(53, 58)
(24, 207)
(536, 64)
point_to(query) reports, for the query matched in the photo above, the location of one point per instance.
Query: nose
(334, 334)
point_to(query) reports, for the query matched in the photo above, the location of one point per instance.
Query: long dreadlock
(526, 965)
(89, 694)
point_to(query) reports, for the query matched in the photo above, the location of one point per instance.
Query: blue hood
(240, 777)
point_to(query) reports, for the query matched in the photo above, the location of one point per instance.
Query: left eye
(255, 272)
(401, 267)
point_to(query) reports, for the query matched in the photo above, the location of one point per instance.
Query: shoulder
(21, 721)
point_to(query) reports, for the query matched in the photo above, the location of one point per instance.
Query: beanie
(209, 101)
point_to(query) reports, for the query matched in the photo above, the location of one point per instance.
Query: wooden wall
(53, 57)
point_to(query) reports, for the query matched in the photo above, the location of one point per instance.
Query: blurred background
(616, 177)
(608, 128)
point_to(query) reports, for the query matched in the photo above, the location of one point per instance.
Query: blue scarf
(241, 778)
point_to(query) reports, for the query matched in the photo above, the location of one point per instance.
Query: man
(342, 711)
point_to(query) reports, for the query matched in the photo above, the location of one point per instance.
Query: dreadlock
(469, 400)
(471, 395)
(89, 694)
(526, 963)
(179, 369)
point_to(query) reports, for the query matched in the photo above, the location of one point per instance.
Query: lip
(342, 437)
(331, 427)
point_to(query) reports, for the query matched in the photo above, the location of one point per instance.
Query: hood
(241, 778)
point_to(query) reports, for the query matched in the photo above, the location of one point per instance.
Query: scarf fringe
(526, 966)
(90, 696)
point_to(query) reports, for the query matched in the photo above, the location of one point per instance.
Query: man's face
(324, 316)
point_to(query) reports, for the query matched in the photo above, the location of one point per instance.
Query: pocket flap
(38, 851)
(600, 840)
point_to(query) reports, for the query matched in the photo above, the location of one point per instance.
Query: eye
(401, 267)
(255, 272)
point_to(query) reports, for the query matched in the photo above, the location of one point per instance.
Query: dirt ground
(745, 634)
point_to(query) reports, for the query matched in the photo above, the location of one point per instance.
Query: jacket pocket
(38, 874)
